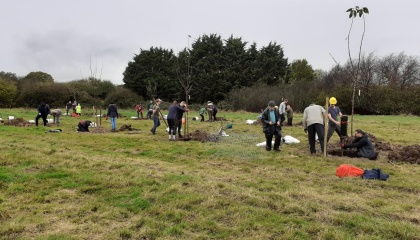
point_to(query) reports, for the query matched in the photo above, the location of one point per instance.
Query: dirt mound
(198, 135)
(19, 122)
(127, 127)
(410, 154)
(382, 146)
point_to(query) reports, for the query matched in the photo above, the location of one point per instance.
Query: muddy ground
(394, 152)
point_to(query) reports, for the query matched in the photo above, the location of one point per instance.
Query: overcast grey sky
(59, 37)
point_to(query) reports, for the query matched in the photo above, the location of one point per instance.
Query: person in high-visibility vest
(79, 109)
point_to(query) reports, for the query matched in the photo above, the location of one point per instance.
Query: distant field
(135, 185)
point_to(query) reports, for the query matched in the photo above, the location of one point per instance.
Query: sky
(76, 39)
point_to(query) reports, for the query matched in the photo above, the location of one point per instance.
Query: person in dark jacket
(363, 144)
(179, 116)
(174, 112)
(43, 111)
(68, 107)
(271, 126)
(83, 126)
(113, 115)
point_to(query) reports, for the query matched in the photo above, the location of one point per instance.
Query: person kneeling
(271, 126)
(83, 126)
(364, 146)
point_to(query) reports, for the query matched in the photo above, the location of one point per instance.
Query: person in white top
(313, 122)
(282, 111)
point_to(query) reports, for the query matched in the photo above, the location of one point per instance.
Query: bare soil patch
(202, 136)
(20, 122)
(397, 153)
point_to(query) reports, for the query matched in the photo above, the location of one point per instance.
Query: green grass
(141, 186)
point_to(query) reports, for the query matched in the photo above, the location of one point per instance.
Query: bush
(123, 98)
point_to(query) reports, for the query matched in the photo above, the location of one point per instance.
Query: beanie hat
(271, 103)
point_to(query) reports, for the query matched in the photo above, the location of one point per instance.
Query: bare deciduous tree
(355, 70)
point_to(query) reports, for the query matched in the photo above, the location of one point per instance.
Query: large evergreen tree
(151, 73)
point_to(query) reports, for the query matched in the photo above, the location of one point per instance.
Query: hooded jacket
(112, 111)
(364, 146)
(44, 109)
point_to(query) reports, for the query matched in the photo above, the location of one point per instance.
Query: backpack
(375, 174)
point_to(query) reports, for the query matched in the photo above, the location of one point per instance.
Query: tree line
(37, 87)
(236, 76)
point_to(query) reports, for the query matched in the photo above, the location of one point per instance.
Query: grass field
(109, 185)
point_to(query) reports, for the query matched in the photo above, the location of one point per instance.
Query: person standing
(155, 116)
(79, 109)
(74, 105)
(179, 116)
(113, 115)
(149, 110)
(214, 112)
(313, 123)
(271, 126)
(282, 110)
(333, 123)
(289, 112)
(68, 107)
(202, 112)
(140, 111)
(43, 111)
(137, 110)
(209, 109)
(172, 118)
(56, 115)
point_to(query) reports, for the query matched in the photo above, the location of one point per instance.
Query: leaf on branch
(366, 10)
(349, 10)
(351, 14)
(360, 14)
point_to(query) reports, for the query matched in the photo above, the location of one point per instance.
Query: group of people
(313, 124)
(286, 110)
(76, 107)
(43, 112)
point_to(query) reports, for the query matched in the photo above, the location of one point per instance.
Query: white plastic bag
(289, 139)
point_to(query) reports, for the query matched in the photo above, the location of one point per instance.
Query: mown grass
(140, 186)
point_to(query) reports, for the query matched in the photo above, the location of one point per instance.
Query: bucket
(49, 120)
(11, 117)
